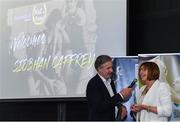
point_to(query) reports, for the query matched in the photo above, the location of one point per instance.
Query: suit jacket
(100, 104)
(158, 95)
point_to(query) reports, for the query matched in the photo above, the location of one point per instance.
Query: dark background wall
(153, 27)
(44, 109)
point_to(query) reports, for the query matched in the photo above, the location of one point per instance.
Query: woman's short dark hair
(100, 60)
(153, 70)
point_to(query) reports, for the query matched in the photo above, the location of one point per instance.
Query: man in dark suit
(101, 94)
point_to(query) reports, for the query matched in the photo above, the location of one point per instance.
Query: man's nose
(111, 70)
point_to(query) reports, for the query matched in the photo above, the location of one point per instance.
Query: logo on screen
(39, 14)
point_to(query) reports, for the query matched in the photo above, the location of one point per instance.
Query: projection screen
(48, 47)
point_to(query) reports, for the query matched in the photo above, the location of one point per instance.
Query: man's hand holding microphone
(127, 92)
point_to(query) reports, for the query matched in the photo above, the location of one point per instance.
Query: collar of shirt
(104, 80)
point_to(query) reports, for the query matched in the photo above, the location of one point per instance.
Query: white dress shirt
(107, 83)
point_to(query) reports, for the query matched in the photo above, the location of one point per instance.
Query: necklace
(145, 90)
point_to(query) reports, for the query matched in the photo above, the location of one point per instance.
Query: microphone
(132, 83)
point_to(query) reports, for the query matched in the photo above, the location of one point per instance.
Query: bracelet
(148, 108)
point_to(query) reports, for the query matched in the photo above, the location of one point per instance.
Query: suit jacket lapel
(149, 97)
(113, 87)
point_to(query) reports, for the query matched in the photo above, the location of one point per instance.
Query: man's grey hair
(100, 60)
